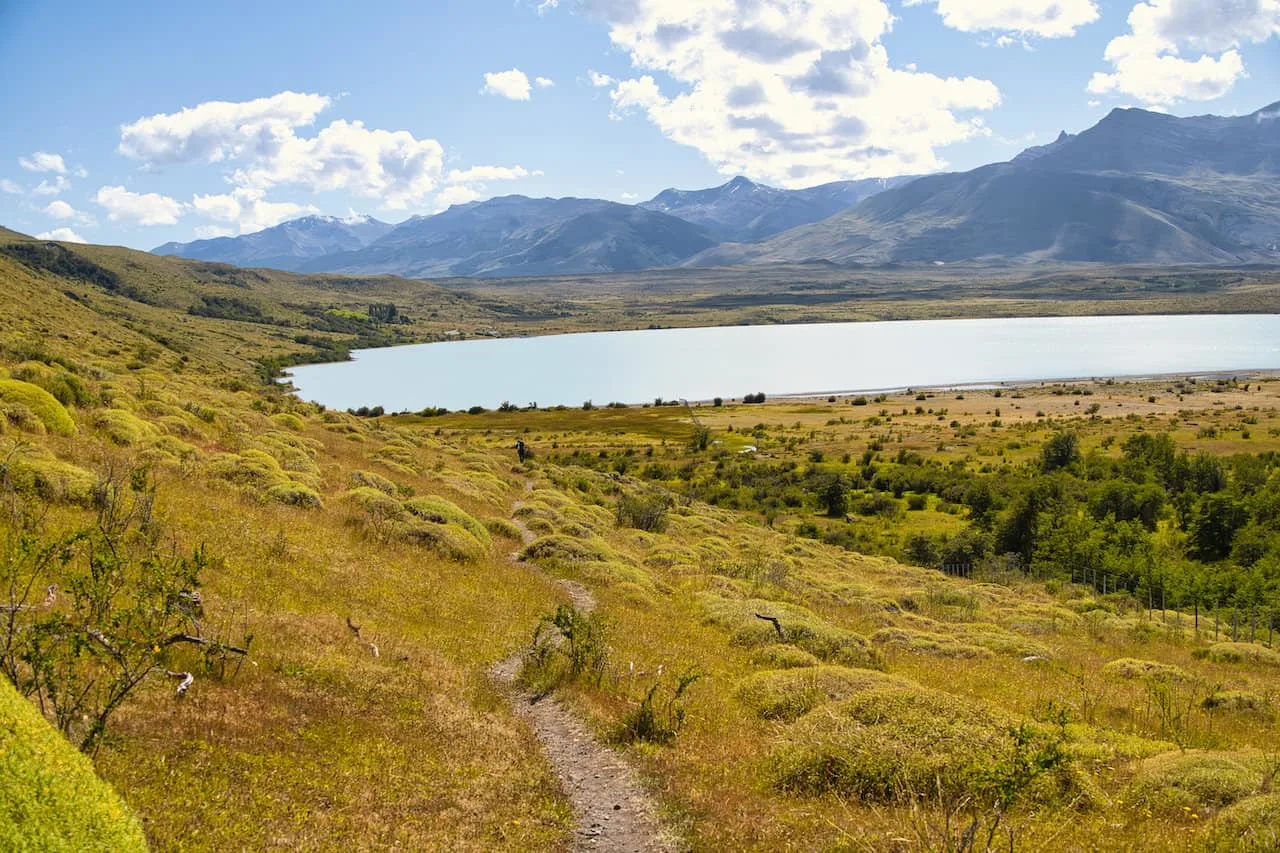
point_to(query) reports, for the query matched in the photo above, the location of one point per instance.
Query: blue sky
(171, 121)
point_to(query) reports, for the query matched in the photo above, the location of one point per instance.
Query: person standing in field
(521, 451)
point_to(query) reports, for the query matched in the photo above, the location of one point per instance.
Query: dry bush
(800, 628)
(1249, 826)
(295, 494)
(123, 427)
(1133, 669)
(1197, 780)
(922, 643)
(897, 744)
(791, 693)
(1240, 653)
(373, 481)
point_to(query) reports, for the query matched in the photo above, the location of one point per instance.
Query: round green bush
(42, 404)
(50, 799)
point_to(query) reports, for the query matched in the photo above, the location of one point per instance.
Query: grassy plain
(893, 706)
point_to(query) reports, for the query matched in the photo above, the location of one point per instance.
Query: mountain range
(1138, 187)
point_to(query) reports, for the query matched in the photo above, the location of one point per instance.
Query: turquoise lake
(825, 358)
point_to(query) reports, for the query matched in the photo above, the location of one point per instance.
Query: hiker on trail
(521, 450)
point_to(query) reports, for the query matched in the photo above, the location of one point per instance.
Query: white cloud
(793, 92)
(123, 205)
(513, 84)
(1043, 18)
(488, 173)
(392, 166)
(457, 194)
(1148, 62)
(65, 235)
(82, 172)
(42, 161)
(10, 187)
(220, 130)
(628, 196)
(60, 210)
(60, 184)
(599, 80)
(263, 148)
(543, 82)
(248, 209)
(209, 232)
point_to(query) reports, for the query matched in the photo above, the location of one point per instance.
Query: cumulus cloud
(598, 79)
(210, 232)
(42, 161)
(794, 92)
(544, 82)
(123, 205)
(1150, 62)
(1043, 18)
(10, 187)
(61, 210)
(392, 166)
(512, 84)
(264, 146)
(457, 194)
(57, 185)
(248, 209)
(488, 173)
(220, 130)
(65, 235)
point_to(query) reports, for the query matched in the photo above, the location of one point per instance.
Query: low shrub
(1134, 669)
(1240, 653)
(1249, 826)
(51, 799)
(1198, 780)
(924, 643)
(647, 512)
(503, 527)
(46, 408)
(783, 657)
(288, 421)
(791, 693)
(568, 645)
(566, 549)
(895, 744)
(295, 494)
(1238, 700)
(373, 481)
(441, 511)
(123, 427)
(800, 628)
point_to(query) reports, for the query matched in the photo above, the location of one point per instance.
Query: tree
(1060, 451)
(88, 615)
(834, 496)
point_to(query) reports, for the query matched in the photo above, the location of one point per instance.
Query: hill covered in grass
(783, 675)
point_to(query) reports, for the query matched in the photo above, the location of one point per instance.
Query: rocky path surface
(611, 809)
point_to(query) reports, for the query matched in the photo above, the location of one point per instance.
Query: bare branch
(187, 680)
(777, 626)
(201, 641)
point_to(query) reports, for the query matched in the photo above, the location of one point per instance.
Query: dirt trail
(611, 809)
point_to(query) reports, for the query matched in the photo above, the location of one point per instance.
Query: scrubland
(783, 676)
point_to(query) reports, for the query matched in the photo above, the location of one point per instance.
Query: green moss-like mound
(800, 628)
(567, 549)
(371, 480)
(1133, 669)
(1250, 826)
(441, 511)
(295, 494)
(50, 799)
(1238, 700)
(791, 693)
(1201, 781)
(925, 643)
(896, 744)
(1241, 653)
(36, 471)
(288, 421)
(52, 415)
(123, 427)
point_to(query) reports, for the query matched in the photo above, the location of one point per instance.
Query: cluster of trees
(1191, 529)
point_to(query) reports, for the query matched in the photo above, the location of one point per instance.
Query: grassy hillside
(888, 707)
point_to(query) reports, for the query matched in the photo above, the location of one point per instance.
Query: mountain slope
(744, 211)
(286, 246)
(1137, 187)
(516, 235)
